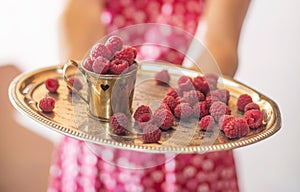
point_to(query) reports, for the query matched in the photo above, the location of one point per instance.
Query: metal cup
(106, 94)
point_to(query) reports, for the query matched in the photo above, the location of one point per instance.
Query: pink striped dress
(76, 168)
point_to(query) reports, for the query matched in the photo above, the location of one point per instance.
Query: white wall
(270, 63)
(28, 32)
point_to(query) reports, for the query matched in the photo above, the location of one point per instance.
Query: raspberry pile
(111, 58)
(237, 127)
(200, 98)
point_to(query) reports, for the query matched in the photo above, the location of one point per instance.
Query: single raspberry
(183, 111)
(224, 120)
(143, 109)
(114, 44)
(52, 85)
(47, 104)
(127, 53)
(119, 123)
(118, 66)
(254, 118)
(172, 92)
(162, 77)
(76, 83)
(201, 84)
(193, 96)
(236, 128)
(151, 133)
(218, 109)
(101, 65)
(100, 50)
(207, 123)
(200, 109)
(163, 118)
(220, 94)
(185, 83)
(170, 101)
(88, 64)
(243, 100)
(251, 106)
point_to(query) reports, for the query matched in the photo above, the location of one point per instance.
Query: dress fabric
(76, 167)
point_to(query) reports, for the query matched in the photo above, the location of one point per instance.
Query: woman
(83, 25)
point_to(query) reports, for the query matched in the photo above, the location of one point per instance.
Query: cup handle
(65, 69)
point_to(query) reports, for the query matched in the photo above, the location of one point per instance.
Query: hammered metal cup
(106, 93)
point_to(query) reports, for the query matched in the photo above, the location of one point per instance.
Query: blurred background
(269, 62)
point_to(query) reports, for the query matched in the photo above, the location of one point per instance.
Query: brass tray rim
(24, 109)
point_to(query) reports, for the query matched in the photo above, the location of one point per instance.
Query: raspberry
(224, 120)
(52, 85)
(185, 83)
(172, 92)
(251, 106)
(100, 50)
(143, 109)
(207, 123)
(114, 44)
(183, 111)
(254, 118)
(201, 84)
(220, 94)
(128, 54)
(163, 118)
(236, 128)
(88, 64)
(218, 109)
(200, 109)
(193, 97)
(118, 66)
(119, 123)
(76, 83)
(243, 100)
(151, 134)
(162, 77)
(101, 65)
(47, 104)
(170, 101)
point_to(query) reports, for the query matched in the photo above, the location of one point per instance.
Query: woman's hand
(222, 26)
(81, 27)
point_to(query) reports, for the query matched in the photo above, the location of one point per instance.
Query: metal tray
(70, 116)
